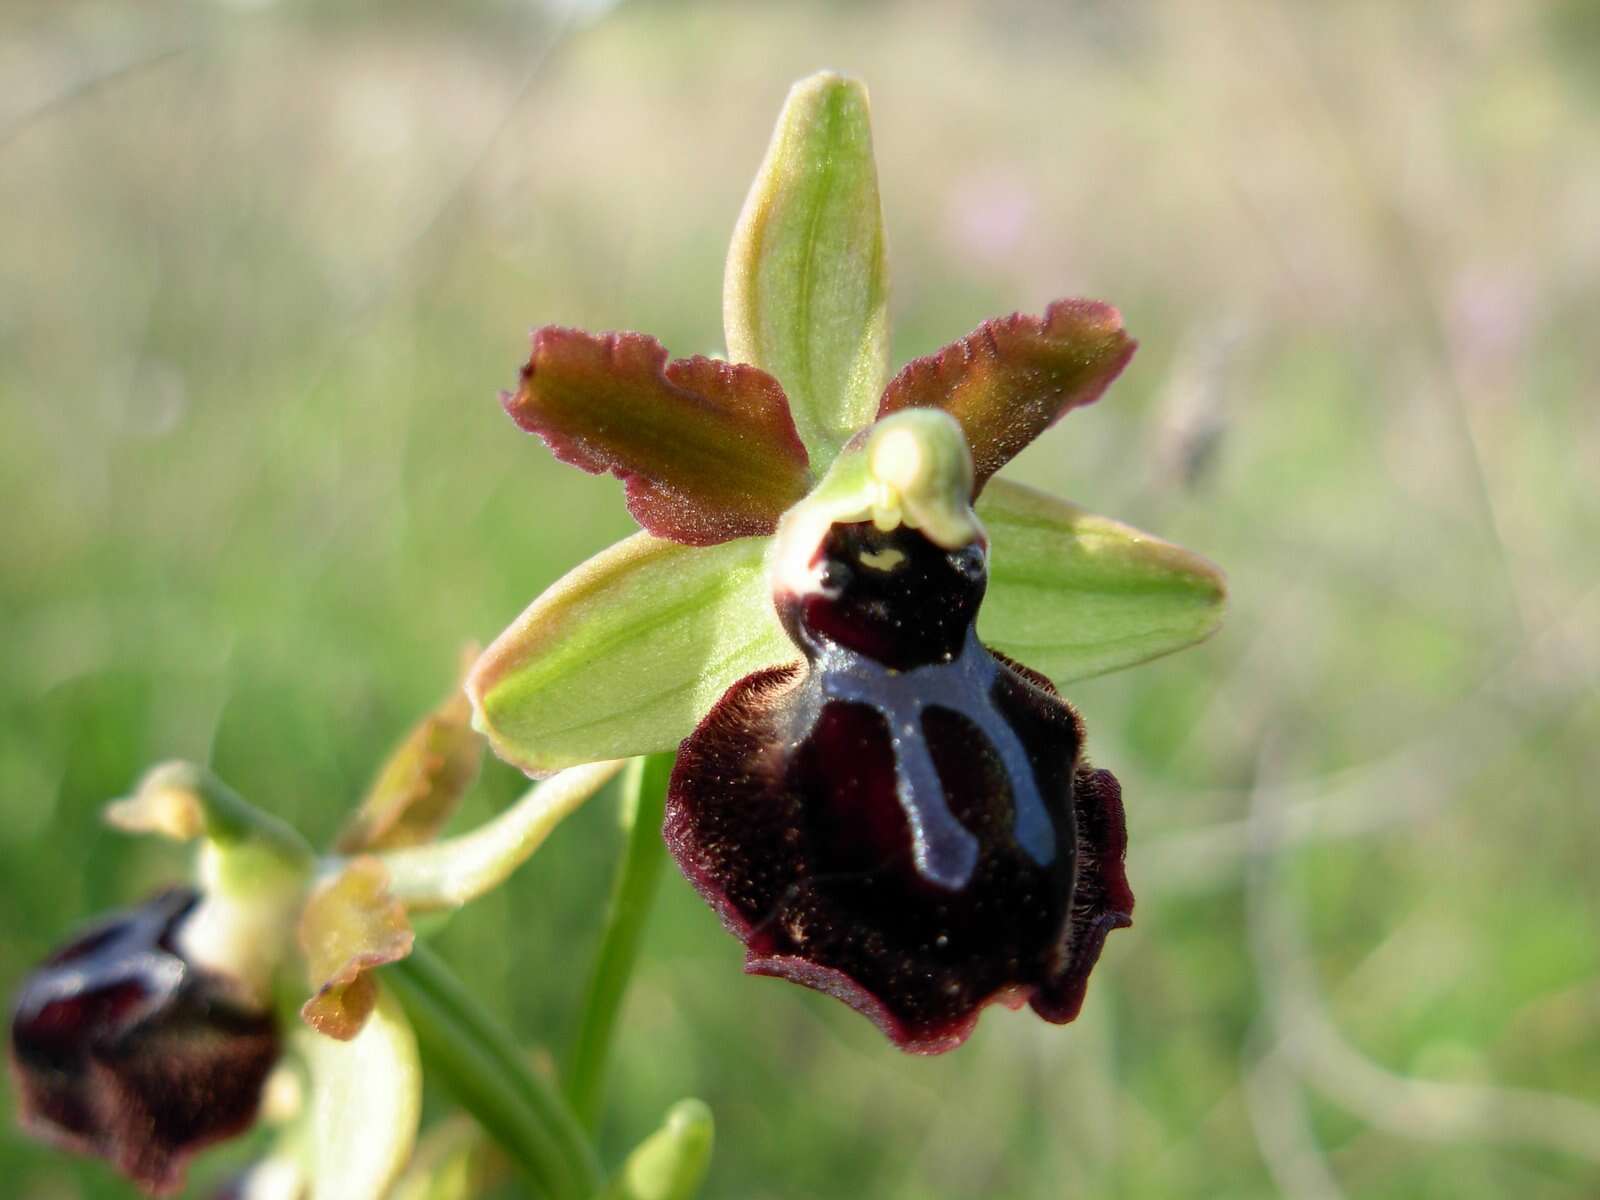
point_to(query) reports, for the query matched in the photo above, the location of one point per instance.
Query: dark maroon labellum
(123, 1049)
(904, 820)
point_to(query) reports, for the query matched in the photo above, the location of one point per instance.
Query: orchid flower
(850, 632)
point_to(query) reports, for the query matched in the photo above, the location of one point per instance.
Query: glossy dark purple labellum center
(903, 820)
(891, 630)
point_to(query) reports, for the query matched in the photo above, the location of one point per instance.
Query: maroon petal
(1012, 378)
(707, 449)
(904, 820)
(122, 1049)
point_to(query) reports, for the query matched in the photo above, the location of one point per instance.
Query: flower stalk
(632, 895)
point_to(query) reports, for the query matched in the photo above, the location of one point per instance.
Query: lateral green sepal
(624, 654)
(1072, 594)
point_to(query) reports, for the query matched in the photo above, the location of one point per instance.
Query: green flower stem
(632, 893)
(483, 1065)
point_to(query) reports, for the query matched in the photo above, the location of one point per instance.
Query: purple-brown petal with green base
(707, 449)
(422, 783)
(122, 1048)
(350, 926)
(1013, 377)
(904, 821)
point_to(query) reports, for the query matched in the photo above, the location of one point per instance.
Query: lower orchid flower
(124, 1047)
(851, 634)
(153, 1034)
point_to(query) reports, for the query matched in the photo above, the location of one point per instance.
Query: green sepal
(671, 1163)
(805, 294)
(366, 1101)
(1072, 594)
(625, 654)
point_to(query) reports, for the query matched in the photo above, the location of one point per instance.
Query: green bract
(806, 293)
(723, 461)
(366, 1100)
(671, 1163)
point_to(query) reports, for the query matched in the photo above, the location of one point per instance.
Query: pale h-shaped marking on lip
(945, 851)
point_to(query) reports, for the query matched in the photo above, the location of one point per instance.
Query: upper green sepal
(1072, 594)
(805, 294)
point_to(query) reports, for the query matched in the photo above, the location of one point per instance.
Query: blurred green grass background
(264, 265)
